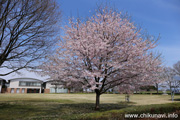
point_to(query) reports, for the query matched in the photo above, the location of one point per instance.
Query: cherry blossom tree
(127, 89)
(132, 87)
(71, 86)
(105, 51)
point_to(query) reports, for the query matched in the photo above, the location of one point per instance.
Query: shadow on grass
(91, 106)
(43, 110)
(175, 99)
(77, 106)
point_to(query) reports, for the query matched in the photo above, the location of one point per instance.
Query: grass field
(70, 106)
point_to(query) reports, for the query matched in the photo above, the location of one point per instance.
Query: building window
(25, 83)
(21, 83)
(17, 90)
(33, 90)
(12, 90)
(23, 90)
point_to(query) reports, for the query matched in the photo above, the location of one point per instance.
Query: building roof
(25, 74)
(25, 79)
(2, 79)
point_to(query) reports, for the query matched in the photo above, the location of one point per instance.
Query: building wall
(48, 85)
(15, 84)
(8, 90)
(3, 90)
(59, 89)
(1, 84)
(13, 87)
(0, 88)
(15, 90)
(46, 90)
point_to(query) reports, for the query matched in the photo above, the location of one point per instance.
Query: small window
(12, 90)
(17, 90)
(21, 83)
(26, 83)
(23, 90)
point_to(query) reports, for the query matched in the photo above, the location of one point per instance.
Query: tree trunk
(127, 97)
(172, 95)
(69, 90)
(55, 88)
(157, 88)
(170, 90)
(97, 107)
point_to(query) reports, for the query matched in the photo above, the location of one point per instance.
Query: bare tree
(176, 68)
(170, 80)
(160, 78)
(27, 28)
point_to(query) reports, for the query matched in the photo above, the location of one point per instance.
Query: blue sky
(156, 16)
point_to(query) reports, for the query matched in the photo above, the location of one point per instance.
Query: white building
(24, 85)
(52, 87)
(29, 82)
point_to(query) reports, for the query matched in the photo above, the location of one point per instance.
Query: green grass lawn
(77, 106)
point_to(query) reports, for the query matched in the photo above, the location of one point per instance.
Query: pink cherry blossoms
(103, 52)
